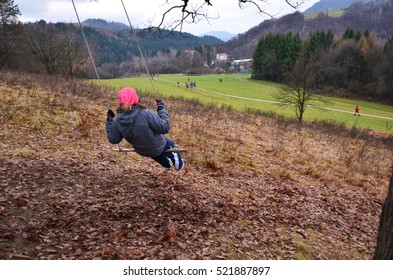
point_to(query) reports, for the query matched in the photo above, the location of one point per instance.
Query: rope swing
(133, 32)
(90, 53)
(176, 149)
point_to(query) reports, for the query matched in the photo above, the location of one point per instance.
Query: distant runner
(357, 110)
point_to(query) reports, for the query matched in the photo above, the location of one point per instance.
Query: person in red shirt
(357, 110)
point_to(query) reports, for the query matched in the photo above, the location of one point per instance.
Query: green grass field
(241, 93)
(331, 13)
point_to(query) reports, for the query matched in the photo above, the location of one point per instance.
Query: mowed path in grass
(242, 93)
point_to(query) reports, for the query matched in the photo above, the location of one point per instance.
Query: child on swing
(143, 129)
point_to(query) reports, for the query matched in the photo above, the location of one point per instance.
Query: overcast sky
(226, 13)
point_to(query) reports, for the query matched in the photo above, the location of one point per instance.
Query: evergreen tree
(351, 34)
(208, 58)
(275, 56)
(9, 29)
(318, 42)
(8, 12)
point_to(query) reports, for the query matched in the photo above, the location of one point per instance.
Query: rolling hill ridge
(372, 16)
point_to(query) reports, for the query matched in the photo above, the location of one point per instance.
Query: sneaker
(183, 165)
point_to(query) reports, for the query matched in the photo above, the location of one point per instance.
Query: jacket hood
(126, 119)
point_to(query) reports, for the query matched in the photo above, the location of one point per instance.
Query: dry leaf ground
(255, 186)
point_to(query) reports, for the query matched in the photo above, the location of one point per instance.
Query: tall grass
(219, 139)
(335, 13)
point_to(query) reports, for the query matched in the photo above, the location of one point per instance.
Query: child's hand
(160, 104)
(110, 114)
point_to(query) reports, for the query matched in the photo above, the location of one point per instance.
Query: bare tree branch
(294, 4)
(194, 11)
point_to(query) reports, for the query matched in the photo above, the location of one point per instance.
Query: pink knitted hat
(128, 96)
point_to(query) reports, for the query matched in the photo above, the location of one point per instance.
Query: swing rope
(90, 53)
(124, 150)
(140, 50)
(92, 59)
(176, 149)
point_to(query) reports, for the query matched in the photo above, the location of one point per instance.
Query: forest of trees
(356, 64)
(59, 48)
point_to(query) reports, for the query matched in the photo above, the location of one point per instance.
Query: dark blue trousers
(167, 159)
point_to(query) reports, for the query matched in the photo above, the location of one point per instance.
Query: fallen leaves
(82, 214)
(66, 195)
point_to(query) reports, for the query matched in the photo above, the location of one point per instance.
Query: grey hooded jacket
(142, 128)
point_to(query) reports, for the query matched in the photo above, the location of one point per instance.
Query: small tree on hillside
(298, 92)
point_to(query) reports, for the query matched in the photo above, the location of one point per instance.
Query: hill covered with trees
(372, 16)
(354, 64)
(356, 61)
(59, 48)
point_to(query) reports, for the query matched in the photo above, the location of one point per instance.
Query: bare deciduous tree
(59, 50)
(298, 93)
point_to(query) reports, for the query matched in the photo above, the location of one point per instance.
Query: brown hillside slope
(255, 187)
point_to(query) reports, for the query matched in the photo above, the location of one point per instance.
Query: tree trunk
(384, 249)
